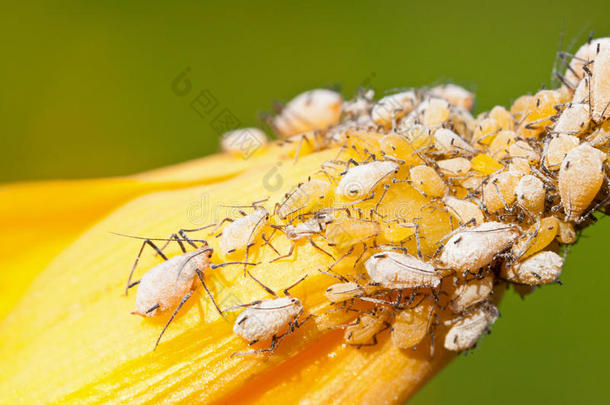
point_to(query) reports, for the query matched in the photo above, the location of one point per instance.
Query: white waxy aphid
(242, 232)
(600, 85)
(456, 95)
(311, 110)
(267, 318)
(305, 197)
(522, 150)
(585, 54)
(359, 181)
(458, 166)
(531, 194)
(393, 107)
(396, 270)
(340, 292)
(464, 211)
(470, 293)
(582, 91)
(465, 333)
(580, 178)
(474, 248)
(542, 268)
(243, 141)
(557, 150)
(310, 227)
(445, 140)
(366, 328)
(574, 120)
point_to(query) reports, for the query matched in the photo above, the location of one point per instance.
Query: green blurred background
(86, 91)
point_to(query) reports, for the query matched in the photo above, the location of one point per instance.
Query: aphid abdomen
(243, 141)
(542, 268)
(465, 333)
(456, 95)
(304, 198)
(368, 326)
(345, 232)
(471, 292)
(531, 194)
(360, 180)
(411, 325)
(240, 233)
(267, 319)
(573, 120)
(343, 291)
(600, 85)
(311, 110)
(499, 192)
(394, 107)
(428, 181)
(396, 270)
(580, 178)
(464, 211)
(445, 140)
(471, 249)
(558, 148)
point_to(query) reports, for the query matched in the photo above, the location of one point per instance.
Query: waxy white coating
(398, 270)
(241, 232)
(243, 141)
(267, 318)
(448, 141)
(360, 180)
(394, 106)
(312, 226)
(471, 293)
(465, 333)
(476, 247)
(542, 268)
(311, 110)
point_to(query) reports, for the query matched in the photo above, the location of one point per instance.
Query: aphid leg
(269, 290)
(290, 252)
(286, 293)
(312, 243)
(135, 264)
(267, 241)
(364, 248)
(375, 210)
(220, 224)
(335, 275)
(182, 301)
(205, 287)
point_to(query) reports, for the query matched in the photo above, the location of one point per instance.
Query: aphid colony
(504, 193)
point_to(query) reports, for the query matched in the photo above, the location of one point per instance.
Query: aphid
(538, 236)
(456, 95)
(464, 211)
(396, 270)
(268, 319)
(558, 148)
(359, 181)
(436, 113)
(574, 120)
(521, 106)
(366, 328)
(465, 333)
(522, 150)
(485, 130)
(471, 292)
(305, 230)
(542, 268)
(346, 232)
(461, 121)
(566, 233)
(445, 140)
(500, 146)
(399, 147)
(427, 180)
(393, 107)
(600, 85)
(503, 118)
(454, 167)
(539, 114)
(531, 194)
(348, 290)
(499, 192)
(474, 248)
(580, 178)
(243, 141)
(171, 283)
(485, 164)
(411, 325)
(584, 56)
(305, 197)
(418, 135)
(311, 110)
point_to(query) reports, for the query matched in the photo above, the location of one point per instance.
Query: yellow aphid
(473, 181)
(346, 291)
(585, 54)
(464, 211)
(485, 130)
(471, 292)
(411, 325)
(503, 118)
(396, 232)
(531, 195)
(566, 233)
(399, 147)
(521, 150)
(359, 181)
(307, 196)
(243, 141)
(418, 135)
(366, 328)
(311, 110)
(542, 268)
(445, 140)
(485, 164)
(522, 106)
(520, 167)
(580, 178)
(540, 113)
(363, 141)
(456, 95)
(499, 192)
(345, 232)
(462, 122)
(428, 181)
(499, 147)
(436, 113)
(454, 167)
(574, 120)
(600, 85)
(557, 150)
(393, 107)
(538, 236)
